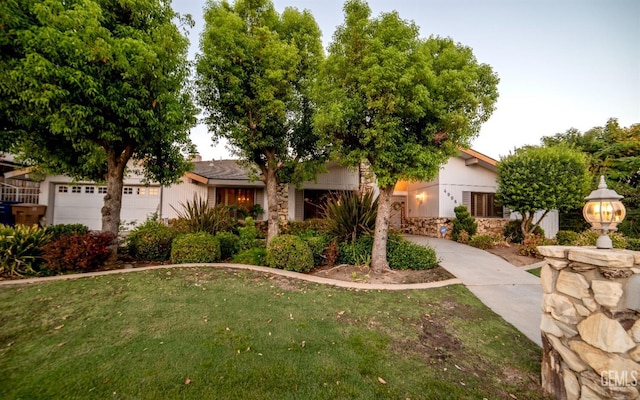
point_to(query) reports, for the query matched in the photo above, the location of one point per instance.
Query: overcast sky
(562, 63)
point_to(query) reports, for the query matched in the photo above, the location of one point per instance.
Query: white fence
(19, 194)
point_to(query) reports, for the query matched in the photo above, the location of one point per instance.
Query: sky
(562, 63)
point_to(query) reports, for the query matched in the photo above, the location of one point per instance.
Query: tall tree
(254, 72)
(402, 103)
(613, 151)
(536, 179)
(93, 84)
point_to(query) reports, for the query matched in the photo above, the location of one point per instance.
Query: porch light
(420, 197)
(604, 211)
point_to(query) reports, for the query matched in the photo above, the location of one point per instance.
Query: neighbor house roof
(221, 172)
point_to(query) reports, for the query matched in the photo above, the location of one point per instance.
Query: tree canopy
(92, 84)
(402, 103)
(542, 179)
(255, 70)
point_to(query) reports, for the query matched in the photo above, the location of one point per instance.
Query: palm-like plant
(351, 214)
(197, 216)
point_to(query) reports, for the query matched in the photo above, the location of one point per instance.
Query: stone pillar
(590, 323)
(283, 204)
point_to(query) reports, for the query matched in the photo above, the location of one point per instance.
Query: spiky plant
(198, 216)
(351, 214)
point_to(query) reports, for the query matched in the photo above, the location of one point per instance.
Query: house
(470, 179)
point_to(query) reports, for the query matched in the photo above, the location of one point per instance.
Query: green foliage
(77, 252)
(317, 244)
(316, 225)
(356, 252)
(403, 254)
(151, 241)
(350, 214)
(248, 234)
(289, 252)
(483, 242)
(20, 249)
(566, 238)
(590, 237)
(200, 247)
(633, 244)
(529, 246)
(197, 216)
(463, 222)
(254, 74)
(253, 256)
(513, 231)
(66, 230)
(229, 244)
(542, 178)
(91, 85)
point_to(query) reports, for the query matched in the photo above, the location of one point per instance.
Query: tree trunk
(379, 254)
(272, 199)
(116, 164)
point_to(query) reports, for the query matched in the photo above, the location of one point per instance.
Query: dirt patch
(364, 274)
(510, 253)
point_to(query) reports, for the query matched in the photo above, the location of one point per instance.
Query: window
(128, 190)
(102, 190)
(314, 201)
(483, 205)
(141, 191)
(76, 189)
(153, 191)
(89, 189)
(241, 198)
(63, 189)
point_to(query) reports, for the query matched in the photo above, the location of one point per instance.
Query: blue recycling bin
(6, 216)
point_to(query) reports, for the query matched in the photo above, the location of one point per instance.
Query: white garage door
(81, 204)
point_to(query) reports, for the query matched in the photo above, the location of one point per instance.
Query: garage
(81, 204)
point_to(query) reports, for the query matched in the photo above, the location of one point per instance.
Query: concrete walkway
(509, 291)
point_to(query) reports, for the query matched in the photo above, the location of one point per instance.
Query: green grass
(205, 334)
(535, 271)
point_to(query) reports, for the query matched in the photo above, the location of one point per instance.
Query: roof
(221, 170)
(472, 157)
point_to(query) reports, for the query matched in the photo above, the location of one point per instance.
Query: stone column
(590, 323)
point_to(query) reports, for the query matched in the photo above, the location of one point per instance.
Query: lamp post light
(604, 211)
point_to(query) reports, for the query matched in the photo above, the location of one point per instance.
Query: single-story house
(470, 178)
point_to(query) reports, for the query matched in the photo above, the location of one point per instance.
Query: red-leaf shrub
(78, 252)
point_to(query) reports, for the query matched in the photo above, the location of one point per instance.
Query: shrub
(483, 242)
(529, 246)
(78, 252)
(463, 237)
(290, 253)
(590, 237)
(66, 230)
(633, 244)
(229, 244)
(200, 247)
(350, 214)
(254, 256)
(566, 238)
(20, 249)
(513, 231)
(463, 222)
(151, 241)
(314, 225)
(197, 216)
(248, 234)
(357, 252)
(317, 244)
(403, 254)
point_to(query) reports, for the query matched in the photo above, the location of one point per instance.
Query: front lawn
(201, 333)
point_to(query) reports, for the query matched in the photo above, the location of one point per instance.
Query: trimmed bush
(566, 238)
(301, 228)
(150, 241)
(78, 252)
(403, 254)
(290, 253)
(513, 232)
(248, 234)
(200, 247)
(20, 249)
(590, 237)
(229, 244)
(317, 244)
(483, 242)
(357, 252)
(254, 256)
(633, 244)
(463, 222)
(66, 230)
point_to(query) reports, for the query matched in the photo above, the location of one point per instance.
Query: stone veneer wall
(283, 203)
(431, 226)
(590, 323)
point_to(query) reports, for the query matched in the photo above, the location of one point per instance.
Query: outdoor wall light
(604, 211)
(420, 197)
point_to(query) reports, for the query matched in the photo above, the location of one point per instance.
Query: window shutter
(466, 201)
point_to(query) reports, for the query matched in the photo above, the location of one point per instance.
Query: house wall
(174, 196)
